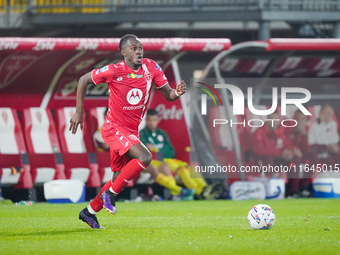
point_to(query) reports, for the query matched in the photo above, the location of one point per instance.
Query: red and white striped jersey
(129, 90)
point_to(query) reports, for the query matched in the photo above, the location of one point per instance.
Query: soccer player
(129, 85)
(158, 170)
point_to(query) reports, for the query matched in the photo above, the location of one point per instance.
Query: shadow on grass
(48, 233)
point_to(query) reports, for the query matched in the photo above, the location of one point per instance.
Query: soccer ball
(261, 217)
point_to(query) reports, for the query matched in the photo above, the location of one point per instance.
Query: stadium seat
(221, 137)
(250, 116)
(15, 171)
(81, 142)
(251, 123)
(11, 137)
(96, 121)
(42, 144)
(290, 110)
(40, 132)
(79, 163)
(251, 126)
(104, 162)
(14, 164)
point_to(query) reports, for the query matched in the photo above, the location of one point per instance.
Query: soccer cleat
(211, 191)
(293, 196)
(109, 201)
(184, 195)
(305, 193)
(90, 219)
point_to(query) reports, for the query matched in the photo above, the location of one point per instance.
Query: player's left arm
(173, 94)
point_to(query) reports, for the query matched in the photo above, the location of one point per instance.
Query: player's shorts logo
(134, 96)
(133, 137)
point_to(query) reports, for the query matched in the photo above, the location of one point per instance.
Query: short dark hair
(151, 112)
(124, 39)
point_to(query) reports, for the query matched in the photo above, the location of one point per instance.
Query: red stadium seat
(15, 170)
(13, 151)
(104, 162)
(79, 163)
(338, 120)
(250, 116)
(252, 123)
(82, 166)
(290, 111)
(81, 142)
(42, 143)
(221, 137)
(11, 137)
(96, 121)
(40, 132)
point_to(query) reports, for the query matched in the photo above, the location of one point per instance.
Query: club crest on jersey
(134, 76)
(103, 69)
(160, 138)
(148, 76)
(134, 96)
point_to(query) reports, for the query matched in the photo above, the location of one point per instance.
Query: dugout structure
(314, 60)
(42, 73)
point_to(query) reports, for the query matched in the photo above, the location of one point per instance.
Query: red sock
(97, 203)
(129, 171)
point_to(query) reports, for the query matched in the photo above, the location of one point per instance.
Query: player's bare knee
(146, 158)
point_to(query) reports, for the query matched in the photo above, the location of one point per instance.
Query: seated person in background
(324, 138)
(98, 140)
(157, 140)
(298, 138)
(271, 147)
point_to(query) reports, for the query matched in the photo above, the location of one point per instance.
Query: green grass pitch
(303, 226)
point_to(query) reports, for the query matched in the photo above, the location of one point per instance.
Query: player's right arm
(77, 118)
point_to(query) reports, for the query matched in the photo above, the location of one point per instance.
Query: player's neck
(132, 66)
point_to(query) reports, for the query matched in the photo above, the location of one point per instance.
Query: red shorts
(120, 141)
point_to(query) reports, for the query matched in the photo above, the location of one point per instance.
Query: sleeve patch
(104, 69)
